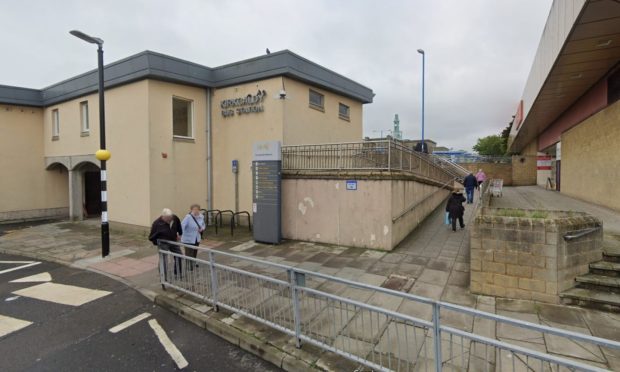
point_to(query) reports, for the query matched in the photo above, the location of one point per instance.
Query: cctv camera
(282, 94)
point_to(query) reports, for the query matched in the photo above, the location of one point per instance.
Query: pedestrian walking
(480, 177)
(455, 208)
(470, 182)
(193, 225)
(168, 227)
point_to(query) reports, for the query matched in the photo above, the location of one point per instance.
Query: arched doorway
(87, 179)
(84, 184)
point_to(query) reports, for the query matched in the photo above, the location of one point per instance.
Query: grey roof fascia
(120, 72)
(20, 96)
(288, 63)
(158, 66)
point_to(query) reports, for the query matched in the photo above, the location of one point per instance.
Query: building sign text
(244, 105)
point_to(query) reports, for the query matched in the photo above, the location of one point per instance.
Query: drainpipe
(209, 154)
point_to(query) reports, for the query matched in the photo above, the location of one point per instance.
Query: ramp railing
(380, 328)
(380, 155)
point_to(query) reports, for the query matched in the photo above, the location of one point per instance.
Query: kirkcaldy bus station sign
(245, 105)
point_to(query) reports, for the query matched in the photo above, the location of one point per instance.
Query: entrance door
(92, 193)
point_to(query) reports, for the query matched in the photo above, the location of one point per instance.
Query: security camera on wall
(282, 94)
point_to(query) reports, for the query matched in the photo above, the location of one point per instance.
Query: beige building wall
(590, 158)
(307, 125)
(27, 189)
(126, 138)
(234, 136)
(149, 168)
(178, 167)
(71, 140)
(289, 120)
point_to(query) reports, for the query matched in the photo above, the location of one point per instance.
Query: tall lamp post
(102, 154)
(421, 51)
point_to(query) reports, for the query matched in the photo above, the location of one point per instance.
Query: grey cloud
(478, 52)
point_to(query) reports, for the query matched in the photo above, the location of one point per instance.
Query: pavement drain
(398, 283)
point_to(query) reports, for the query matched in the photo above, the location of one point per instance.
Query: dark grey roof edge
(20, 96)
(148, 64)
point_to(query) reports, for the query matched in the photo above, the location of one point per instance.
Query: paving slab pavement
(536, 197)
(432, 262)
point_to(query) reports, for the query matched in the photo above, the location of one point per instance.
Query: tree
(494, 145)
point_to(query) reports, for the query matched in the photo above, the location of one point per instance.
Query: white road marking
(175, 354)
(11, 298)
(129, 322)
(62, 294)
(27, 264)
(10, 325)
(42, 277)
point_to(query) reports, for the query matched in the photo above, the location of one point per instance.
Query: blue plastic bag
(447, 220)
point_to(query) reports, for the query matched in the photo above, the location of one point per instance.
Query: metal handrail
(416, 204)
(381, 155)
(296, 288)
(580, 233)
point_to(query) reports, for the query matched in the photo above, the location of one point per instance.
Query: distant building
(430, 144)
(396, 131)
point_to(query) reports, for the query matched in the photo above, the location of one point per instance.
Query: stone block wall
(522, 253)
(492, 170)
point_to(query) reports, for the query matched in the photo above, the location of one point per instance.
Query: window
(182, 118)
(55, 124)
(343, 111)
(84, 117)
(317, 100)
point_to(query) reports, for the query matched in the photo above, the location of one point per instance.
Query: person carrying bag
(193, 226)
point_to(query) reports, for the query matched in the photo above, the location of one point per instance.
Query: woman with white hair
(168, 227)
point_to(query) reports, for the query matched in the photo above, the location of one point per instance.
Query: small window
(55, 124)
(84, 117)
(343, 111)
(317, 100)
(182, 118)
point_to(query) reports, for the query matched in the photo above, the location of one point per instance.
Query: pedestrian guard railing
(372, 155)
(380, 328)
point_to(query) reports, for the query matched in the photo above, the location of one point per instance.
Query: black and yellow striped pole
(103, 155)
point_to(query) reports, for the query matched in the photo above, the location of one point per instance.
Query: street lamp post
(421, 51)
(102, 154)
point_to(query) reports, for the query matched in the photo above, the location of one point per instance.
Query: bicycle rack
(209, 212)
(219, 216)
(238, 214)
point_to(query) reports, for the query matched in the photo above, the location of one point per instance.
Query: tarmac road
(60, 320)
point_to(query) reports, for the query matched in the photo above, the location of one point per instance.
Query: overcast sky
(479, 52)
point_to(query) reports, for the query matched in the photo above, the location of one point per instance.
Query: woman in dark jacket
(455, 208)
(168, 227)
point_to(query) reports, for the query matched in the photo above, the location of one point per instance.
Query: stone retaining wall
(522, 253)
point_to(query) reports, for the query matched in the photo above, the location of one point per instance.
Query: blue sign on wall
(352, 185)
(235, 166)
